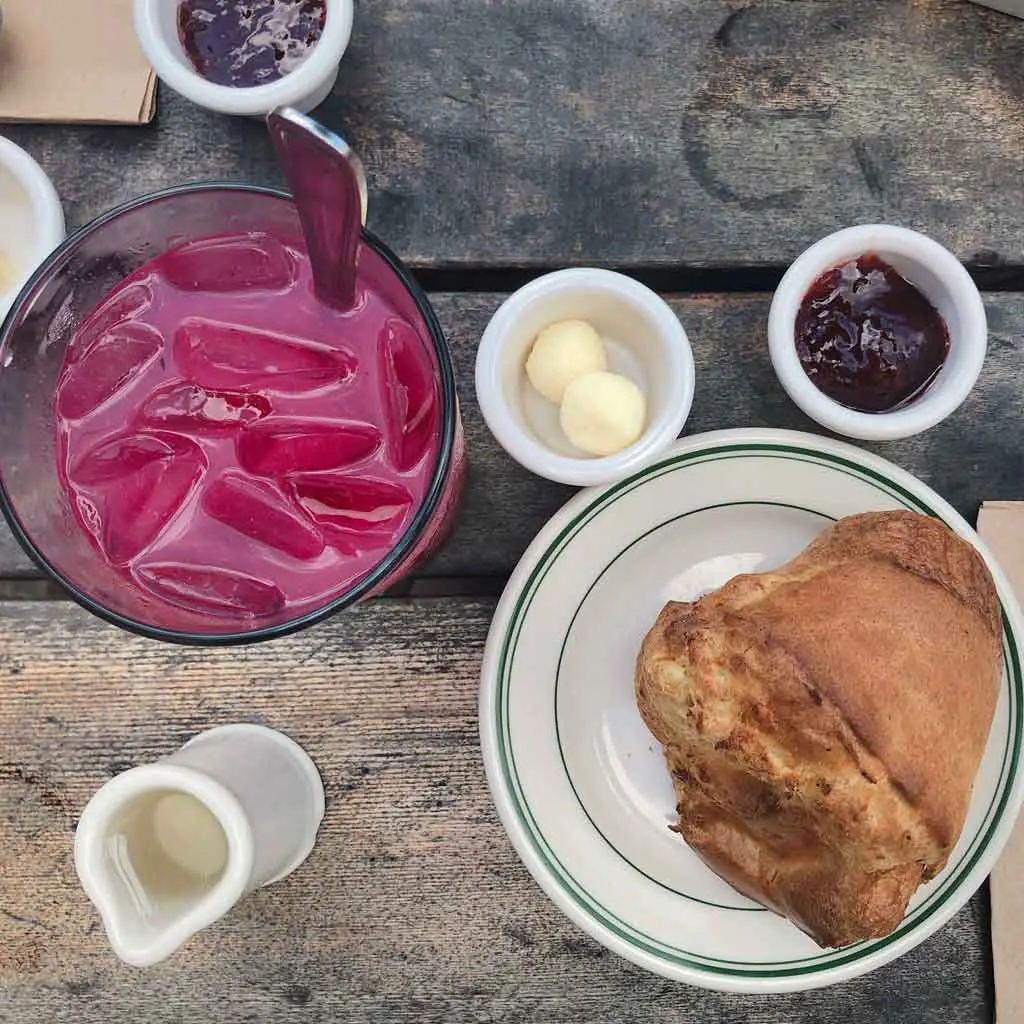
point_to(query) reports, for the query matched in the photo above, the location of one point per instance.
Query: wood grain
(974, 455)
(413, 906)
(667, 133)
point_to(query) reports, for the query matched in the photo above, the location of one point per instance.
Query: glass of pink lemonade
(196, 447)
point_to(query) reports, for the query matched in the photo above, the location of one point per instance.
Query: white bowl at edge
(644, 340)
(304, 88)
(31, 217)
(941, 278)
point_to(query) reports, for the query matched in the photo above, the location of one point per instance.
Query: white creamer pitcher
(165, 849)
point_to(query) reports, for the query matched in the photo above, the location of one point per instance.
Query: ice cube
(230, 264)
(354, 505)
(137, 484)
(226, 356)
(211, 589)
(280, 446)
(196, 410)
(124, 303)
(410, 393)
(119, 457)
(261, 510)
(110, 364)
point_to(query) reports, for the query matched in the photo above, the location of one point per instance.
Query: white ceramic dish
(579, 782)
(940, 277)
(644, 341)
(258, 785)
(31, 219)
(304, 88)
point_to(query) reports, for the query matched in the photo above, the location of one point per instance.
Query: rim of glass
(383, 569)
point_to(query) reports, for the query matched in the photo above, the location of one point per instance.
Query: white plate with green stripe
(579, 782)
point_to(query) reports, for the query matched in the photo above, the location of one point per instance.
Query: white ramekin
(645, 341)
(31, 217)
(944, 282)
(156, 24)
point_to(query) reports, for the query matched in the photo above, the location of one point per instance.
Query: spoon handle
(329, 187)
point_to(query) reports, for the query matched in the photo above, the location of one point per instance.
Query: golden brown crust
(823, 723)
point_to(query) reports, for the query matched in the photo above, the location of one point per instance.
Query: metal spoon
(329, 187)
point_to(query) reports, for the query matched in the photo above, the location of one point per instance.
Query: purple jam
(243, 43)
(868, 338)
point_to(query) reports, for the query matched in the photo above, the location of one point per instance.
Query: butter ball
(602, 413)
(561, 353)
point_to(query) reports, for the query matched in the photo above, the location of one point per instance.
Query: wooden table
(697, 144)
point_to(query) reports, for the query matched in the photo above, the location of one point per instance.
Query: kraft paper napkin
(1014, 7)
(1001, 526)
(73, 61)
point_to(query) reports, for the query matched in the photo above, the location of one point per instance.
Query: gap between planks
(995, 277)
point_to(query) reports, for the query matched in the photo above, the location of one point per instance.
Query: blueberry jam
(243, 43)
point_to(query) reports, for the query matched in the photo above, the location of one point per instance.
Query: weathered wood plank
(413, 906)
(696, 132)
(974, 455)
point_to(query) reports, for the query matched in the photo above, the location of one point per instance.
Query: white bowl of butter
(609, 382)
(31, 220)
